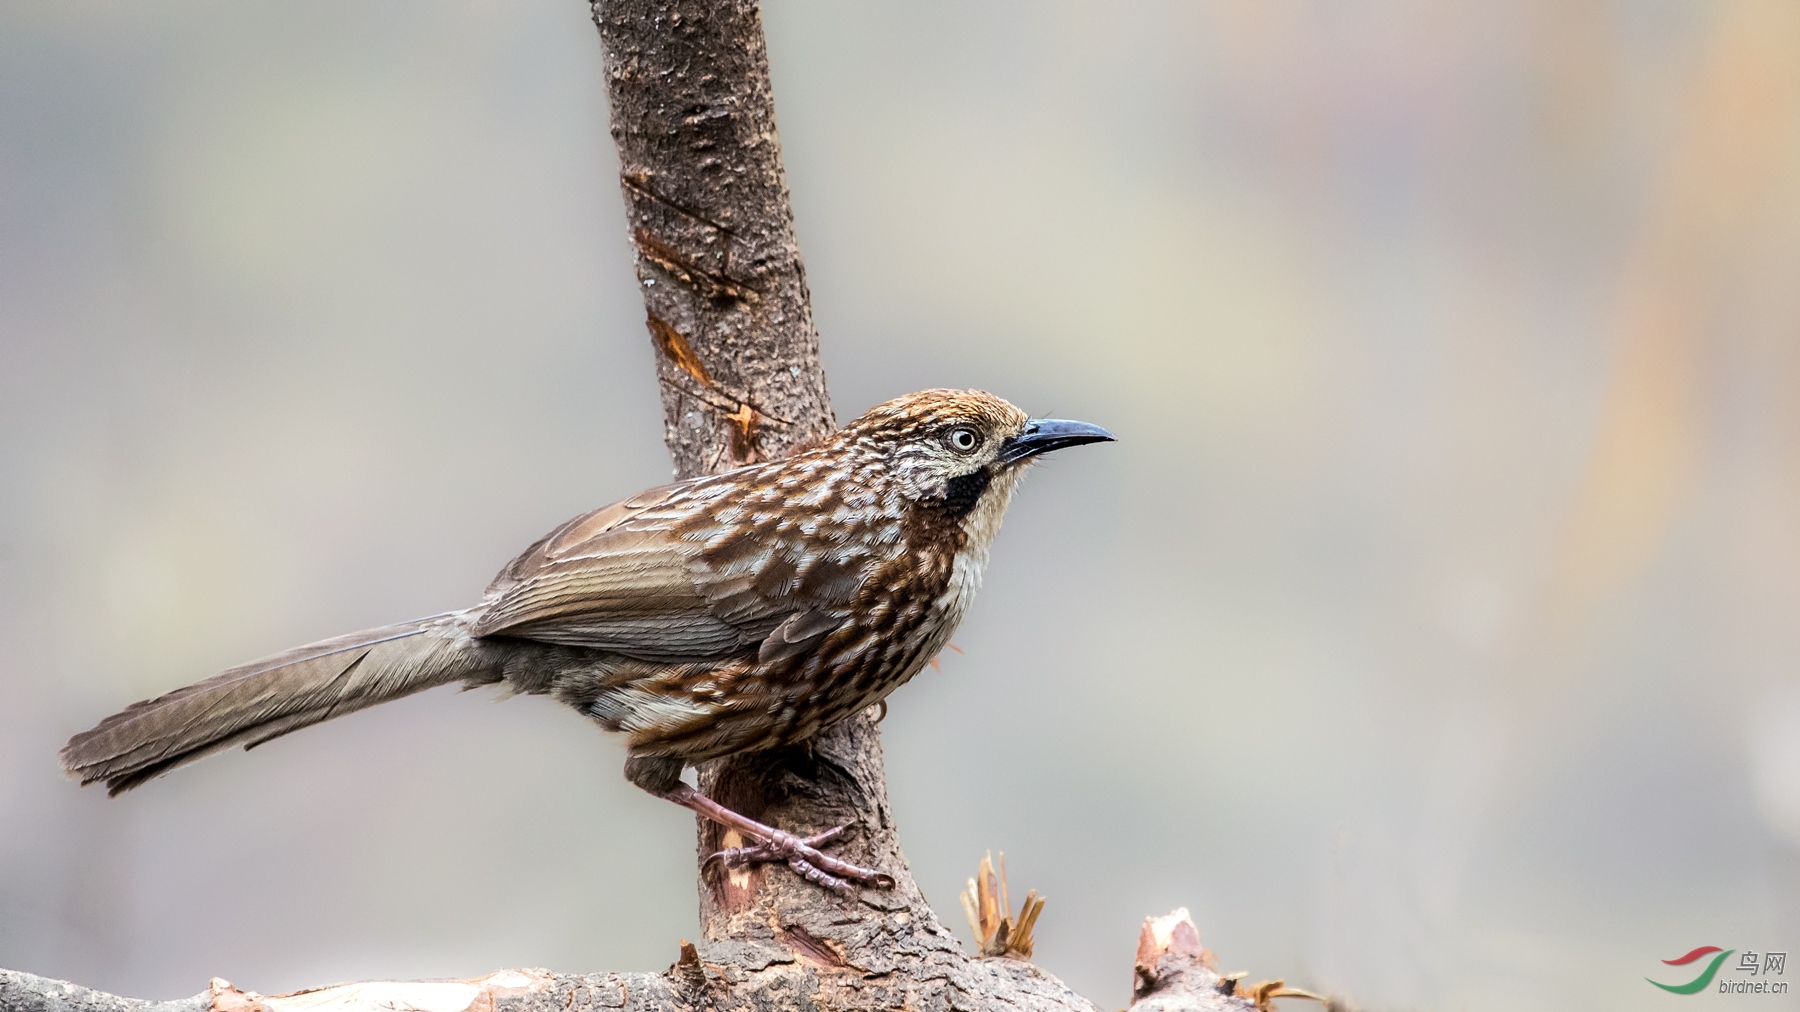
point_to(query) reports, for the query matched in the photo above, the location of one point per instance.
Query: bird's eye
(963, 440)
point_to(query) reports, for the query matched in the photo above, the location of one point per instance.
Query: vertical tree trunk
(707, 207)
(724, 288)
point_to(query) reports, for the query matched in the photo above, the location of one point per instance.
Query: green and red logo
(1750, 964)
(1698, 983)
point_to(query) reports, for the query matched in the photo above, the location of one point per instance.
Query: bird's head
(959, 453)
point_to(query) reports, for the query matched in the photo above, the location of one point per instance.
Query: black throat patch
(962, 492)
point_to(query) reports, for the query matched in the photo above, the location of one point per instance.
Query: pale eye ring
(962, 439)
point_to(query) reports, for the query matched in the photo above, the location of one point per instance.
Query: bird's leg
(801, 853)
(661, 776)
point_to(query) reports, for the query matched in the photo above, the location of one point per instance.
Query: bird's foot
(802, 854)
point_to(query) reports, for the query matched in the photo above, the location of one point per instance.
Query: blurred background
(1430, 632)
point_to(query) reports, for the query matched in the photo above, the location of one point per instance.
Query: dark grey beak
(1042, 435)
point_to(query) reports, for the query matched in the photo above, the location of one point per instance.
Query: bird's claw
(802, 854)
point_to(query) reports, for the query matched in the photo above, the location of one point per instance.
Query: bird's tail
(266, 699)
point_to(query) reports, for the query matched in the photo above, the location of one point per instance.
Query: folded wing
(658, 577)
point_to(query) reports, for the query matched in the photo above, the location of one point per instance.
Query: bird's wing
(654, 577)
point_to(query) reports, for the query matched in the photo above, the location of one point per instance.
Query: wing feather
(642, 578)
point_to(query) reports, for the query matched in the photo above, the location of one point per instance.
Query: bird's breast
(959, 592)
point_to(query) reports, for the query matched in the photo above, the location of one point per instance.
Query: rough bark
(738, 363)
(24, 992)
(707, 210)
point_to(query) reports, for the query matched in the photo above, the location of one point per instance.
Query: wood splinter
(989, 909)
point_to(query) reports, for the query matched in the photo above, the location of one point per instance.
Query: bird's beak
(1041, 435)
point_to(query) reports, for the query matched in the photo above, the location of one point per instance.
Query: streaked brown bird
(731, 613)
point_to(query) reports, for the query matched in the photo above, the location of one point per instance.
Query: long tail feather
(266, 699)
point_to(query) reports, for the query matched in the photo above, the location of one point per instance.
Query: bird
(729, 613)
